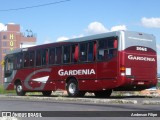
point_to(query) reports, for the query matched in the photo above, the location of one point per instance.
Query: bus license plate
(140, 83)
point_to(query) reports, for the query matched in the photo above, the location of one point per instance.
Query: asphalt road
(22, 105)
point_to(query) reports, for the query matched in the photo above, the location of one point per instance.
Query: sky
(56, 20)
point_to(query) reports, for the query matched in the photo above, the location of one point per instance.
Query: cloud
(119, 27)
(47, 41)
(62, 38)
(151, 22)
(3, 27)
(78, 36)
(66, 38)
(95, 28)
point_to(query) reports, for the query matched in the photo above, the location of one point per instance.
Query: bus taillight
(123, 70)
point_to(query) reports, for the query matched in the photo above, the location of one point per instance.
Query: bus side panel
(35, 79)
(107, 73)
(85, 74)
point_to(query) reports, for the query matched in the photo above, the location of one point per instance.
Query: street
(91, 109)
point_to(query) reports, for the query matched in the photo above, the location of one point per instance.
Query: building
(12, 38)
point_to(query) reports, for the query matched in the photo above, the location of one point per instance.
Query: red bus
(120, 60)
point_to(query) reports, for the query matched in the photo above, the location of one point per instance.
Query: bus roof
(103, 35)
(80, 39)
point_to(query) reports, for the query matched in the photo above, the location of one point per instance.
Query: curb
(149, 102)
(83, 100)
(67, 99)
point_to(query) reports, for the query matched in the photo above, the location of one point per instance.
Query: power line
(29, 7)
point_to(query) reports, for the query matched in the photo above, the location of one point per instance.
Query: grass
(3, 91)
(158, 85)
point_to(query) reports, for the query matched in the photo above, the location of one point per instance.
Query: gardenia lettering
(62, 72)
(131, 57)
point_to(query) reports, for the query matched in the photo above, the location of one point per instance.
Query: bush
(3, 91)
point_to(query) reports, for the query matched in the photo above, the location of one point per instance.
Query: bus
(101, 63)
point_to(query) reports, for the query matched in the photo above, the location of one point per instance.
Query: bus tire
(72, 89)
(46, 93)
(19, 89)
(103, 93)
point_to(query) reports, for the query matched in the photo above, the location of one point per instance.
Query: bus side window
(45, 57)
(112, 45)
(8, 66)
(95, 50)
(66, 54)
(52, 56)
(32, 58)
(90, 51)
(107, 48)
(83, 52)
(58, 58)
(38, 58)
(15, 62)
(102, 49)
(18, 61)
(74, 53)
(26, 59)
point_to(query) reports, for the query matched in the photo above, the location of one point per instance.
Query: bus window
(32, 58)
(38, 58)
(26, 59)
(58, 58)
(45, 57)
(18, 61)
(15, 62)
(90, 51)
(107, 48)
(101, 49)
(83, 52)
(95, 50)
(112, 52)
(111, 43)
(74, 53)
(8, 66)
(52, 56)
(66, 54)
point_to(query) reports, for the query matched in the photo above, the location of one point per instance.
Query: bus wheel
(19, 89)
(72, 88)
(47, 93)
(103, 94)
